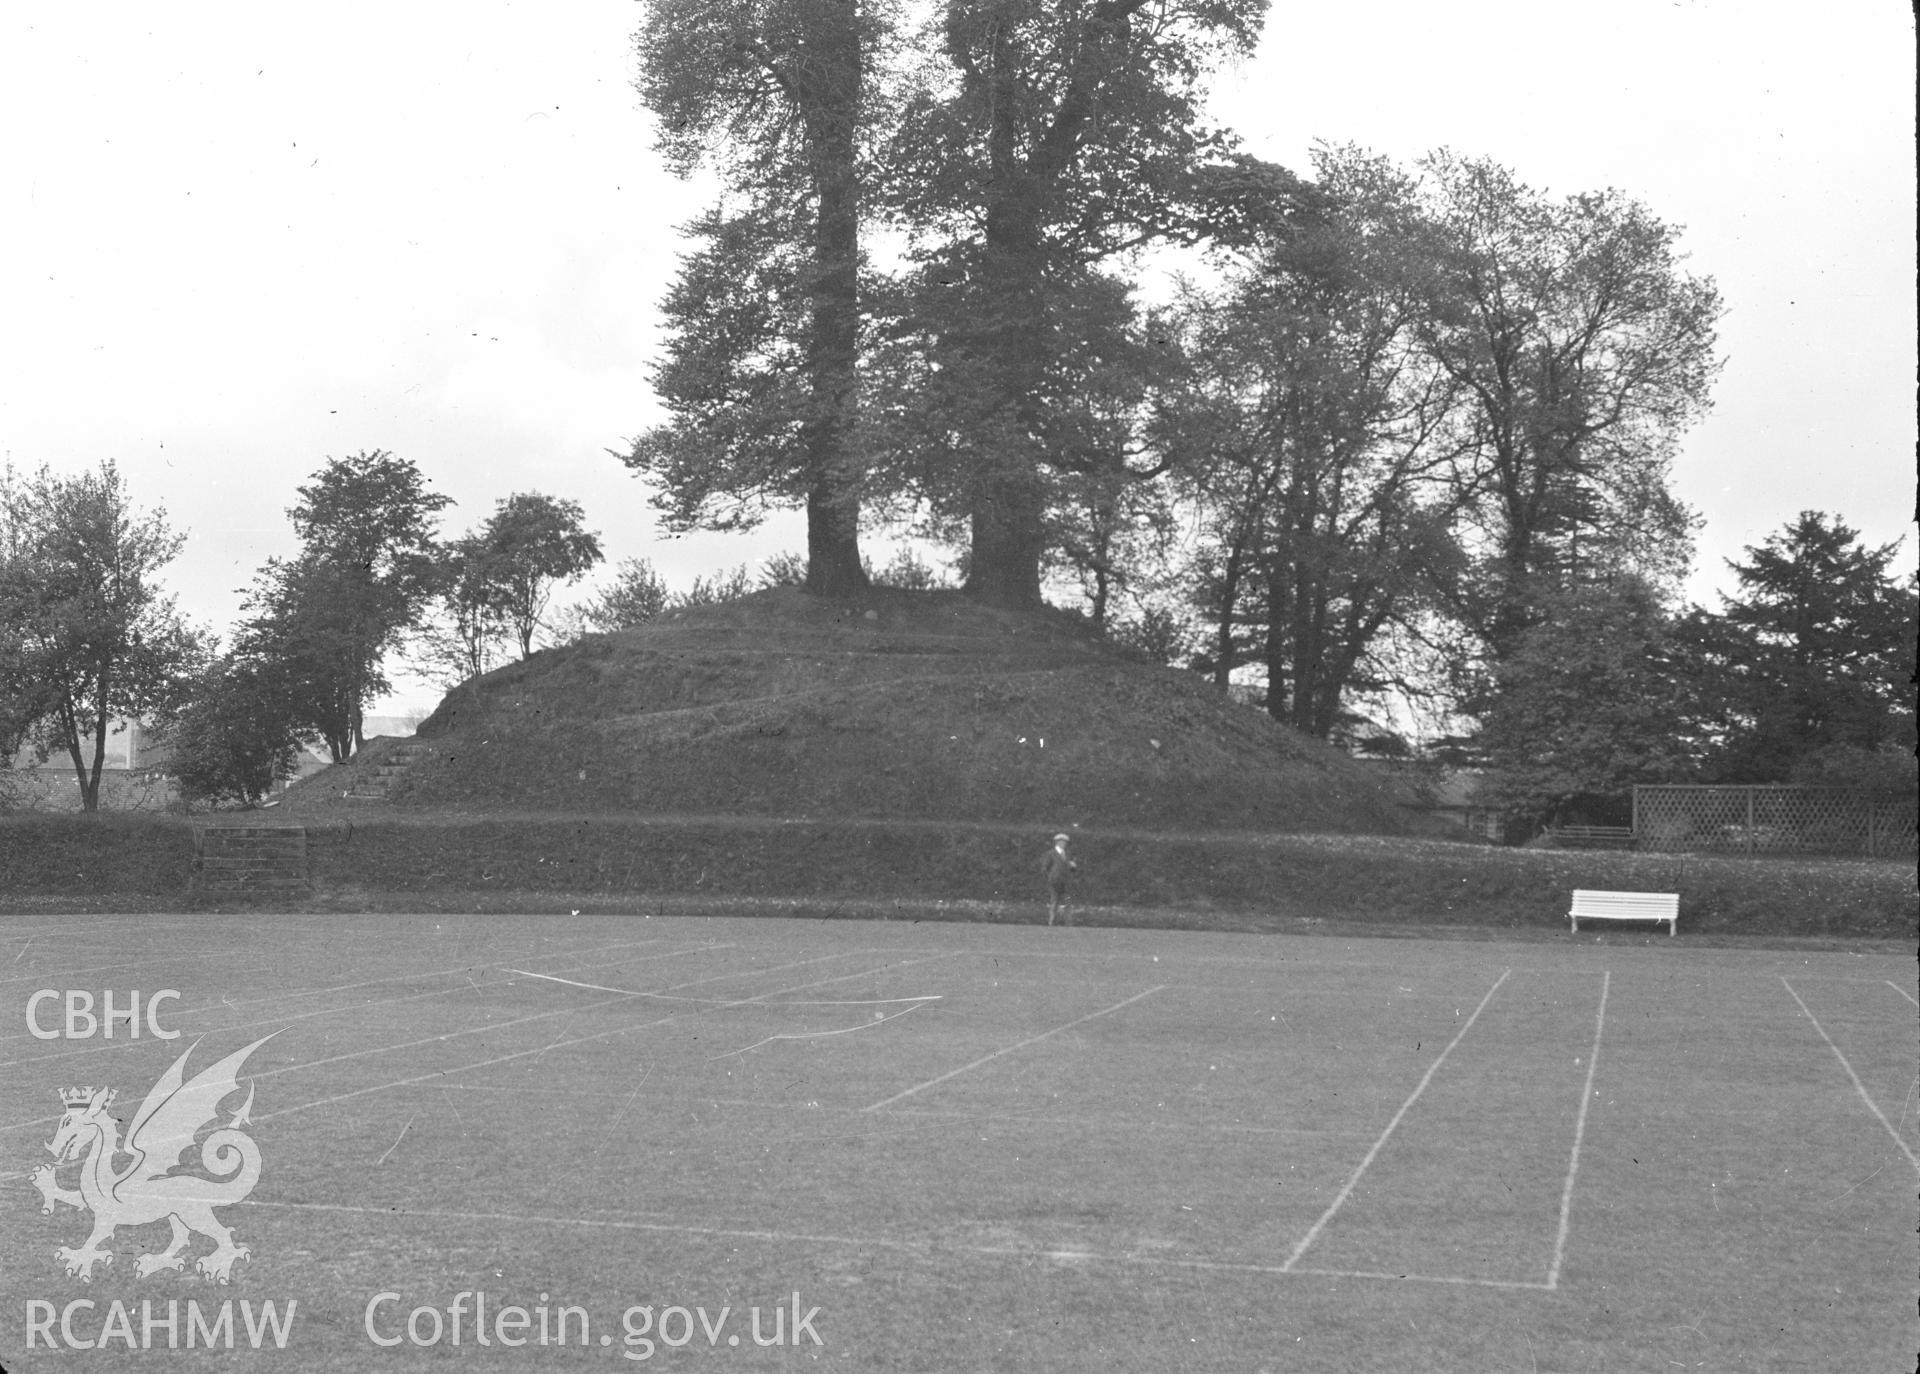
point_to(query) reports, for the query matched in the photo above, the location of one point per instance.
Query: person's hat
(1061, 839)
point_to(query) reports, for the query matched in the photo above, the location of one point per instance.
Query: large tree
(1313, 445)
(1814, 653)
(759, 378)
(1581, 349)
(1055, 136)
(90, 637)
(321, 623)
(1598, 694)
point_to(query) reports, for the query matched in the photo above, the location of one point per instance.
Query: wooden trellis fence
(1772, 820)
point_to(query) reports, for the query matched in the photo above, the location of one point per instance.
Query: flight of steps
(377, 784)
(250, 861)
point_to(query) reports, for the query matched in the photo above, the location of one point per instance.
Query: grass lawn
(983, 1147)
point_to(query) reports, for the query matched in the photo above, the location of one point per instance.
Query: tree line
(1398, 433)
(1804, 674)
(88, 635)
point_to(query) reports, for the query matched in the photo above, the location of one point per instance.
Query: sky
(240, 239)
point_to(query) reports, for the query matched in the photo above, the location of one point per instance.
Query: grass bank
(1290, 877)
(95, 861)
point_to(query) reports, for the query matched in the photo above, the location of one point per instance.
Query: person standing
(1059, 868)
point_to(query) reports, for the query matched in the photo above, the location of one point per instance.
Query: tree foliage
(1049, 139)
(531, 544)
(1597, 695)
(1581, 350)
(759, 377)
(636, 595)
(323, 621)
(89, 635)
(1313, 446)
(459, 640)
(234, 740)
(1814, 655)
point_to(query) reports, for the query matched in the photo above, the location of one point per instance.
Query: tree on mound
(531, 543)
(320, 624)
(759, 377)
(1045, 141)
(1054, 139)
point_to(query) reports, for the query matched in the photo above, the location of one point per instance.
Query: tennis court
(944, 1146)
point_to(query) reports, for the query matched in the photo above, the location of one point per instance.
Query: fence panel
(1772, 820)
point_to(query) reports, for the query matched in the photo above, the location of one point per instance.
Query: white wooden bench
(1625, 906)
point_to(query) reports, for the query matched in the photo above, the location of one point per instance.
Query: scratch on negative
(819, 1035)
(1861, 1184)
(396, 1142)
(23, 949)
(614, 1120)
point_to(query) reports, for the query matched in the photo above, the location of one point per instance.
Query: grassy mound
(899, 705)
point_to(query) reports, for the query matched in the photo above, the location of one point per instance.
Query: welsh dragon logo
(146, 1189)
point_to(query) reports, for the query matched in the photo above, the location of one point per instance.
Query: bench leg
(1576, 923)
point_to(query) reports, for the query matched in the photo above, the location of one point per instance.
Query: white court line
(918, 1002)
(477, 1030)
(1314, 1231)
(579, 1039)
(1858, 1086)
(287, 1020)
(1902, 991)
(663, 997)
(288, 994)
(284, 1021)
(929, 1114)
(284, 993)
(989, 1058)
(878, 1243)
(1579, 1133)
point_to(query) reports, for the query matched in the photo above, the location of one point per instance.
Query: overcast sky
(242, 238)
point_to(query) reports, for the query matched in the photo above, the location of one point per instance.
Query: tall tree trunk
(70, 736)
(1275, 652)
(833, 502)
(1004, 567)
(1230, 579)
(90, 785)
(1008, 502)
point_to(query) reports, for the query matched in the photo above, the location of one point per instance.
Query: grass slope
(899, 706)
